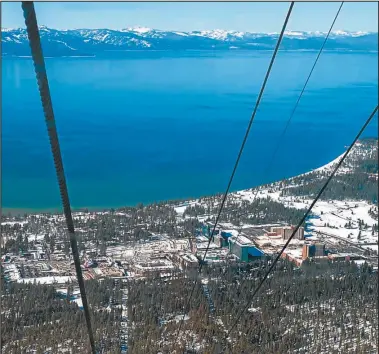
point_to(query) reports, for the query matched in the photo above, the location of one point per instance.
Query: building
(305, 252)
(286, 232)
(226, 234)
(185, 260)
(276, 230)
(148, 267)
(192, 244)
(202, 243)
(292, 258)
(319, 250)
(244, 249)
(188, 260)
(239, 246)
(220, 241)
(207, 229)
(344, 257)
(313, 250)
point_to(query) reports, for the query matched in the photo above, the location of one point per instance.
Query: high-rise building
(277, 230)
(319, 250)
(244, 249)
(220, 241)
(304, 254)
(313, 250)
(287, 231)
(300, 233)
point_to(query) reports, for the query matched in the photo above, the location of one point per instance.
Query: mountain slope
(81, 42)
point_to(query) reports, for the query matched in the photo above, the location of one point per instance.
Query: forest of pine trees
(359, 183)
(35, 318)
(319, 308)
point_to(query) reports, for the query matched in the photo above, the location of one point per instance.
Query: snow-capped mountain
(93, 42)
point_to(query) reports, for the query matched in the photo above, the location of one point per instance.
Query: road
(372, 258)
(345, 240)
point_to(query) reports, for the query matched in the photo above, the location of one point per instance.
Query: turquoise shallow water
(143, 127)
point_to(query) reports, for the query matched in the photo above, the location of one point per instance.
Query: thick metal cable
(302, 220)
(304, 87)
(43, 86)
(240, 154)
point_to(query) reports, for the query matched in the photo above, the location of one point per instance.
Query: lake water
(141, 127)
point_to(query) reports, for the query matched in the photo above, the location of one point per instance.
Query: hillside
(96, 42)
(356, 179)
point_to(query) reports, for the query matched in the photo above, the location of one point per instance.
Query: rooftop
(189, 257)
(241, 240)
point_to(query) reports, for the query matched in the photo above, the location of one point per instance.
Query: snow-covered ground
(334, 216)
(48, 280)
(12, 223)
(33, 237)
(337, 218)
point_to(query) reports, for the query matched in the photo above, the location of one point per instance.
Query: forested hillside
(358, 178)
(35, 318)
(324, 308)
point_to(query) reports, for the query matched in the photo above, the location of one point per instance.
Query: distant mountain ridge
(93, 42)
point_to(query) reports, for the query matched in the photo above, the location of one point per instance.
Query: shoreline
(101, 55)
(15, 211)
(52, 210)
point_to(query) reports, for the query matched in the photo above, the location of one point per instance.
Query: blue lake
(142, 127)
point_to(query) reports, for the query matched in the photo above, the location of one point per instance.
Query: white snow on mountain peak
(349, 33)
(220, 34)
(139, 29)
(43, 28)
(141, 37)
(184, 34)
(9, 29)
(294, 33)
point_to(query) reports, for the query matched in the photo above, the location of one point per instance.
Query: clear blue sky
(255, 17)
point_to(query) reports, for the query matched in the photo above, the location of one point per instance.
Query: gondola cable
(291, 115)
(301, 221)
(43, 86)
(239, 156)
